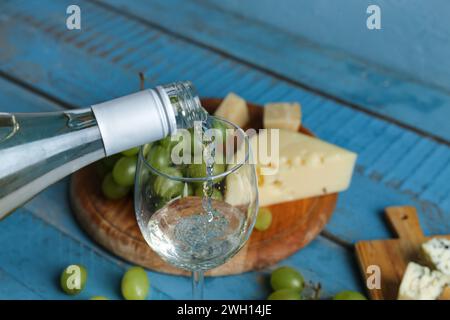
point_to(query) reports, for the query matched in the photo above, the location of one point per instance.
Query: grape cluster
(288, 284)
(118, 171)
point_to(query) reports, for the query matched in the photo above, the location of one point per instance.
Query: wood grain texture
(445, 295)
(392, 256)
(405, 223)
(113, 223)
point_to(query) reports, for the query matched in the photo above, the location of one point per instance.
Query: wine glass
(192, 220)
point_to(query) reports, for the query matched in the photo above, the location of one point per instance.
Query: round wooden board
(113, 224)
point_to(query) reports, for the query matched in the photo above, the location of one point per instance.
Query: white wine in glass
(196, 216)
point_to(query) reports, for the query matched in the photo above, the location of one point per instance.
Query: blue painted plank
(11, 288)
(378, 146)
(15, 99)
(440, 189)
(416, 156)
(381, 91)
(37, 253)
(45, 251)
(412, 50)
(359, 214)
(393, 153)
(428, 172)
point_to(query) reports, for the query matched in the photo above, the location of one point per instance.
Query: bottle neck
(147, 116)
(185, 104)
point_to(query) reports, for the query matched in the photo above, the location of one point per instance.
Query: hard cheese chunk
(421, 283)
(234, 109)
(282, 116)
(303, 166)
(238, 187)
(437, 252)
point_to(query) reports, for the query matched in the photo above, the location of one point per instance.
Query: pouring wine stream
(209, 156)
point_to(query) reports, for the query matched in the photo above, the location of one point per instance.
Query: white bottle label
(134, 120)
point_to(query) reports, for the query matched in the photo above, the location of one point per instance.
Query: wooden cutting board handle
(445, 295)
(405, 223)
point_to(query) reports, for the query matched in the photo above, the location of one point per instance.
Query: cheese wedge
(421, 283)
(282, 115)
(234, 109)
(437, 253)
(238, 187)
(298, 166)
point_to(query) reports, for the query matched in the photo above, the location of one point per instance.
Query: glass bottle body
(38, 149)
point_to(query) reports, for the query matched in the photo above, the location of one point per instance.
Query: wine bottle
(38, 149)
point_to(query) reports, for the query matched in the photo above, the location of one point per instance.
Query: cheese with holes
(234, 109)
(437, 253)
(297, 166)
(282, 115)
(421, 283)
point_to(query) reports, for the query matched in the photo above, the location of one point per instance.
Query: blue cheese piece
(437, 252)
(421, 283)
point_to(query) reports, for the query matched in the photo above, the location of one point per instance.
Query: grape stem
(141, 80)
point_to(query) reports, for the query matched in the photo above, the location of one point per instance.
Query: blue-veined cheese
(437, 253)
(421, 283)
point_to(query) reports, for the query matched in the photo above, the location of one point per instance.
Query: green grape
(131, 152)
(112, 190)
(73, 279)
(135, 284)
(110, 161)
(167, 142)
(222, 127)
(168, 188)
(124, 171)
(98, 298)
(264, 219)
(285, 294)
(199, 171)
(349, 295)
(287, 278)
(159, 157)
(216, 194)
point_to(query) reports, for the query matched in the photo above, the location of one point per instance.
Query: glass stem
(197, 285)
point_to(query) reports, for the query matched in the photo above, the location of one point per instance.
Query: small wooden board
(113, 224)
(392, 256)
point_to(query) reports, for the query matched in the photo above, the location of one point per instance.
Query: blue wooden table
(399, 126)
